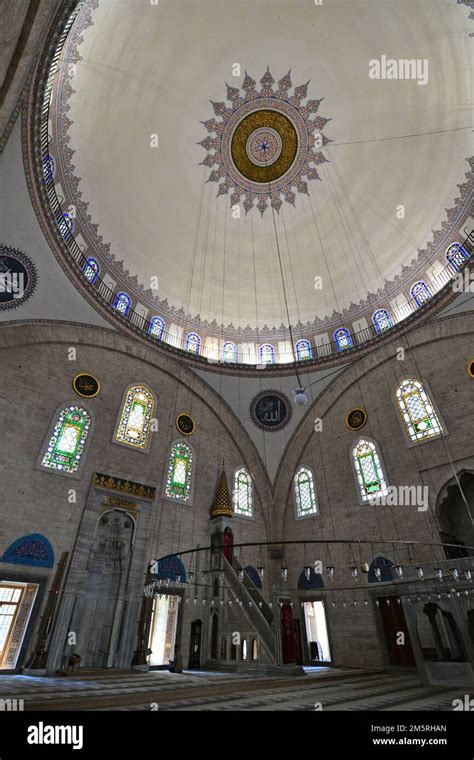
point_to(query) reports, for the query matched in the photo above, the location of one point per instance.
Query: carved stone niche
(100, 604)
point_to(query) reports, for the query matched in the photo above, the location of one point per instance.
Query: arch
(369, 470)
(66, 225)
(180, 472)
(65, 444)
(122, 303)
(383, 565)
(382, 320)
(171, 568)
(266, 353)
(91, 270)
(315, 581)
(417, 411)
(157, 327)
(303, 350)
(420, 292)
(254, 576)
(193, 343)
(456, 255)
(33, 549)
(229, 352)
(134, 423)
(242, 494)
(342, 339)
(305, 493)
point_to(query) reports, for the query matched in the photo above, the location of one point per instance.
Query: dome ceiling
(197, 189)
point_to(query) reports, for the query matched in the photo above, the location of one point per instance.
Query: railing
(142, 325)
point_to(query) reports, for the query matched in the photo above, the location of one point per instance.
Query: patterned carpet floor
(321, 688)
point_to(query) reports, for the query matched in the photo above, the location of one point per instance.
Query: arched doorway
(455, 526)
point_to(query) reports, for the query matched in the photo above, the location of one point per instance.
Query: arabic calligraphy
(86, 385)
(271, 410)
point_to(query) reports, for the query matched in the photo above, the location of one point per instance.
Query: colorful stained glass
(242, 492)
(381, 320)
(305, 493)
(90, 270)
(178, 478)
(303, 350)
(457, 255)
(157, 327)
(419, 416)
(370, 475)
(193, 343)
(122, 303)
(267, 354)
(135, 418)
(66, 445)
(420, 292)
(66, 225)
(229, 352)
(342, 339)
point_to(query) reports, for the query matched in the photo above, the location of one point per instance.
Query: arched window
(66, 444)
(229, 352)
(456, 255)
(420, 292)
(419, 416)
(157, 327)
(193, 343)
(381, 320)
(266, 353)
(91, 270)
(342, 339)
(122, 303)
(180, 470)
(305, 493)
(369, 471)
(303, 350)
(66, 225)
(242, 492)
(133, 428)
(49, 168)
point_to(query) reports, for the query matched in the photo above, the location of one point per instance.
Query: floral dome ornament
(264, 144)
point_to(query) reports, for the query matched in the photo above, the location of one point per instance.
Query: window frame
(130, 446)
(251, 516)
(177, 502)
(399, 413)
(46, 439)
(295, 499)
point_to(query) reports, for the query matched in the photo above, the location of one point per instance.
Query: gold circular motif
(257, 120)
(470, 368)
(356, 419)
(86, 385)
(185, 424)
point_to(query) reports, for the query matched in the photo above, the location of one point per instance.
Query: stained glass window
(303, 350)
(381, 320)
(49, 168)
(267, 354)
(91, 270)
(420, 292)
(229, 352)
(456, 255)
(157, 327)
(66, 225)
(135, 417)
(342, 339)
(122, 303)
(180, 469)
(193, 343)
(370, 475)
(242, 492)
(305, 493)
(417, 410)
(66, 445)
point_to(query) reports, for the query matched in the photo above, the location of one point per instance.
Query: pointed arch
(242, 492)
(380, 570)
(180, 473)
(90, 270)
(382, 320)
(122, 303)
(134, 423)
(420, 419)
(305, 493)
(33, 549)
(266, 353)
(420, 293)
(64, 448)
(369, 470)
(157, 327)
(303, 350)
(315, 580)
(193, 343)
(456, 255)
(171, 568)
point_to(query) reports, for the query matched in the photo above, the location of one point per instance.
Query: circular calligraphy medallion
(185, 424)
(86, 385)
(270, 410)
(470, 368)
(356, 419)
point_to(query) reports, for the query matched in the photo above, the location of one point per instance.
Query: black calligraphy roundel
(270, 410)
